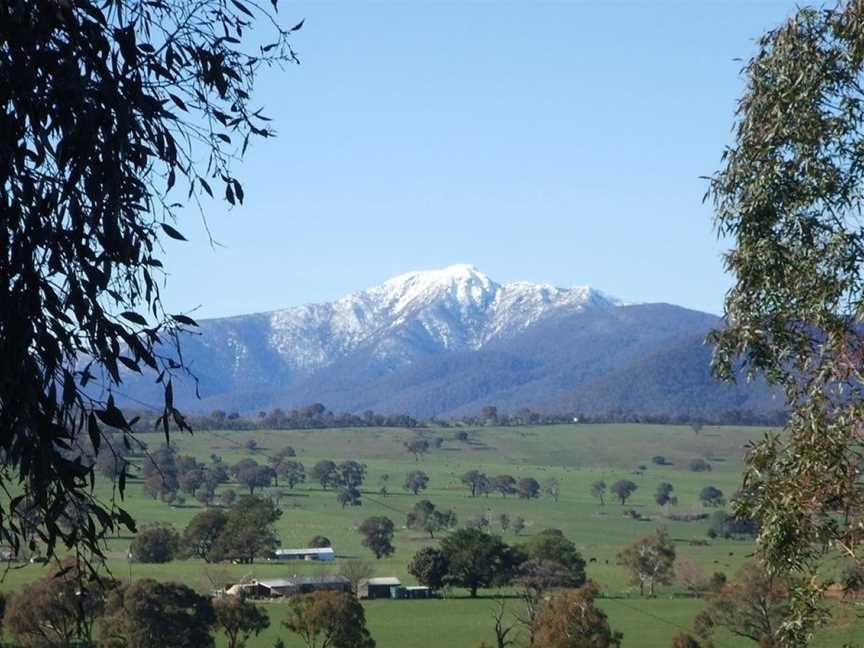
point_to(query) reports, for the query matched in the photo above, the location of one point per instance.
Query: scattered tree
(202, 533)
(550, 548)
(239, 620)
(255, 476)
(572, 620)
(328, 620)
(155, 544)
(292, 472)
(712, 496)
(724, 525)
(416, 481)
(278, 459)
(503, 638)
(430, 567)
(377, 535)
(623, 489)
(598, 490)
(349, 496)
(517, 524)
(650, 560)
(148, 613)
(249, 531)
(503, 521)
(528, 488)
(476, 481)
(753, 606)
(664, 494)
(504, 484)
(699, 465)
(417, 447)
(324, 472)
(552, 488)
(476, 559)
(57, 609)
(426, 517)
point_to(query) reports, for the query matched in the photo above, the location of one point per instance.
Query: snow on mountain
(451, 309)
(449, 341)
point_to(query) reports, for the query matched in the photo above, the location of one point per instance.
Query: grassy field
(576, 454)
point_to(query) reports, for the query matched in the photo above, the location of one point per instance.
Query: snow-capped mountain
(446, 341)
(457, 308)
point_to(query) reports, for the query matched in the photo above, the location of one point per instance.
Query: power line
(656, 617)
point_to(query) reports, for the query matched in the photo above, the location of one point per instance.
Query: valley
(575, 455)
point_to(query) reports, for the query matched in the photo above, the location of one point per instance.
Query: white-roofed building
(291, 586)
(310, 553)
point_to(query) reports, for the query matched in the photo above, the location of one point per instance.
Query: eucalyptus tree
(112, 108)
(789, 195)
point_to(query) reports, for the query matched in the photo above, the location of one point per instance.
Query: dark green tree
(324, 472)
(712, 496)
(249, 531)
(476, 559)
(598, 490)
(553, 548)
(425, 516)
(377, 535)
(292, 472)
(155, 544)
(148, 613)
(279, 458)
(504, 484)
(416, 481)
(430, 567)
(202, 534)
(664, 494)
(476, 481)
(528, 488)
(623, 489)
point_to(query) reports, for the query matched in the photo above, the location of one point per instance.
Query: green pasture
(576, 455)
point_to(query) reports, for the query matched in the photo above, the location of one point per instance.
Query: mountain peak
(452, 274)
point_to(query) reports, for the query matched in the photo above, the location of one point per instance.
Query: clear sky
(558, 142)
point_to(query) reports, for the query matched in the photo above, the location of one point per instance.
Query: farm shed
(377, 588)
(292, 586)
(311, 553)
(417, 592)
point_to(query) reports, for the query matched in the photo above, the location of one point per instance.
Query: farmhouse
(377, 588)
(311, 553)
(292, 586)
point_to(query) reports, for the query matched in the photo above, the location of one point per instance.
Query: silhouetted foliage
(108, 105)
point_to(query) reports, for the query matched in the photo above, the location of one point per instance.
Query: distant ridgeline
(317, 416)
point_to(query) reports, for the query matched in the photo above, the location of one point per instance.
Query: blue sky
(552, 142)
